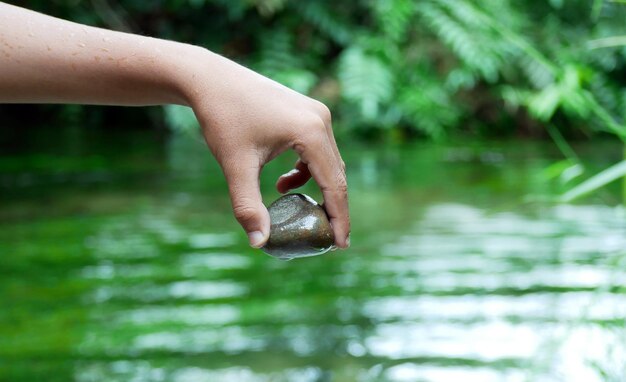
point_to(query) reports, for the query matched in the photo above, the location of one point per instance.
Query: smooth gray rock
(299, 228)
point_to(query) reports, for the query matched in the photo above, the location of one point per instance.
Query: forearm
(247, 119)
(48, 60)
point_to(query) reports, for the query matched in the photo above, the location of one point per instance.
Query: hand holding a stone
(247, 121)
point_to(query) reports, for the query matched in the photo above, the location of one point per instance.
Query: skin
(247, 119)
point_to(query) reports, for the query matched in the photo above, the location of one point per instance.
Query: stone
(299, 228)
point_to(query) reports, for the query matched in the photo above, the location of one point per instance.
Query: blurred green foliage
(401, 68)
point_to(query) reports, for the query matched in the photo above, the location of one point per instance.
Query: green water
(120, 261)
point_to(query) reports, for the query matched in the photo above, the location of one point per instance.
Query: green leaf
(565, 170)
(394, 17)
(365, 79)
(279, 60)
(299, 80)
(325, 20)
(543, 105)
(594, 183)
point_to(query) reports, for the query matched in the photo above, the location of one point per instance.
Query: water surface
(121, 262)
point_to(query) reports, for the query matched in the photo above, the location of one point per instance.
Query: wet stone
(299, 228)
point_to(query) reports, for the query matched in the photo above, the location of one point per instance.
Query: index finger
(327, 170)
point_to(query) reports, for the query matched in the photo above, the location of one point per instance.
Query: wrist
(175, 72)
(186, 68)
(204, 79)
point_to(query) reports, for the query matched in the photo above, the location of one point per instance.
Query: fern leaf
(279, 61)
(320, 15)
(427, 105)
(458, 24)
(394, 17)
(366, 80)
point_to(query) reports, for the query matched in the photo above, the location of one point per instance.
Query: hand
(248, 120)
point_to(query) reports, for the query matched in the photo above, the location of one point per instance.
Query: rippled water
(128, 266)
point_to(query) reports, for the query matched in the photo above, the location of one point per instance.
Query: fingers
(327, 119)
(317, 152)
(294, 178)
(243, 183)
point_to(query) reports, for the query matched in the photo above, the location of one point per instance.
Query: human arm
(247, 119)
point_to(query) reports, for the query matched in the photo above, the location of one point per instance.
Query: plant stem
(562, 144)
(607, 42)
(600, 112)
(518, 41)
(624, 182)
(596, 9)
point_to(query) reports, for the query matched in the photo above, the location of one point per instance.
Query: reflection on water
(449, 278)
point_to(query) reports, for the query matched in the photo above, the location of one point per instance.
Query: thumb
(248, 207)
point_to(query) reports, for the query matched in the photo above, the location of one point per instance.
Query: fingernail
(256, 239)
(292, 172)
(348, 241)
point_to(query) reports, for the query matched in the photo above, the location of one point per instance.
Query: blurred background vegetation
(122, 261)
(402, 67)
(398, 70)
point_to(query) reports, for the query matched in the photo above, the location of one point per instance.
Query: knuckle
(316, 125)
(342, 184)
(324, 113)
(312, 117)
(299, 146)
(311, 133)
(244, 214)
(343, 187)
